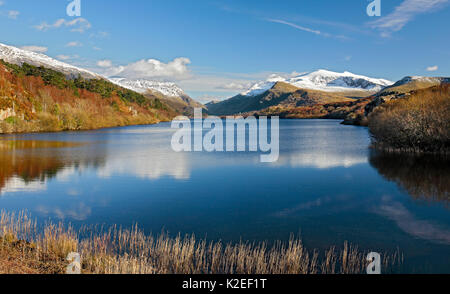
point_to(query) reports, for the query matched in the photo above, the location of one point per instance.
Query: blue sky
(214, 49)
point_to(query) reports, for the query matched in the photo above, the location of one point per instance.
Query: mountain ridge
(323, 80)
(167, 92)
(19, 56)
(357, 112)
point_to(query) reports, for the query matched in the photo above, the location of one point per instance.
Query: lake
(327, 187)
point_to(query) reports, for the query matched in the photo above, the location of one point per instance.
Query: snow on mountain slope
(323, 80)
(142, 86)
(263, 86)
(19, 56)
(407, 80)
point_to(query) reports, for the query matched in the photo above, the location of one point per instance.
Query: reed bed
(130, 251)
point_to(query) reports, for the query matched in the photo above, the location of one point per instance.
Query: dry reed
(130, 251)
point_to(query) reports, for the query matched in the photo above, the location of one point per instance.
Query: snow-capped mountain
(261, 87)
(173, 95)
(142, 86)
(323, 80)
(19, 56)
(407, 80)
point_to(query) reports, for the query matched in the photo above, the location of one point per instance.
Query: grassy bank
(418, 123)
(26, 249)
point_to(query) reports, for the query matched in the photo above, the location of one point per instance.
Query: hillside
(355, 112)
(282, 95)
(352, 112)
(38, 99)
(417, 122)
(18, 56)
(404, 88)
(167, 92)
(183, 104)
(303, 90)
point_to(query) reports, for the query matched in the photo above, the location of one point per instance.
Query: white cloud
(37, 49)
(97, 48)
(235, 86)
(204, 86)
(1, 3)
(176, 69)
(99, 35)
(67, 57)
(74, 44)
(404, 13)
(79, 25)
(63, 57)
(433, 68)
(104, 63)
(306, 29)
(348, 58)
(214, 85)
(13, 14)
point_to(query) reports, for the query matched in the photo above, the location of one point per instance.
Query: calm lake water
(327, 187)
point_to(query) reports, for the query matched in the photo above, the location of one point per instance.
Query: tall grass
(130, 251)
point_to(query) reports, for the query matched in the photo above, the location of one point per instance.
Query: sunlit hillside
(36, 99)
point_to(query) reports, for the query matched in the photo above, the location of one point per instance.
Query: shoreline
(374, 145)
(131, 125)
(80, 131)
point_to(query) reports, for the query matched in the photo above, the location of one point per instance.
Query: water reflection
(147, 163)
(78, 211)
(411, 225)
(422, 177)
(322, 160)
(26, 165)
(322, 186)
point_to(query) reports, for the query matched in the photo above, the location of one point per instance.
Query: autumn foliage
(420, 122)
(40, 100)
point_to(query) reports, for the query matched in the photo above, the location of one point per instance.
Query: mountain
(322, 80)
(357, 112)
(408, 84)
(319, 87)
(281, 95)
(41, 94)
(142, 86)
(404, 88)
(167, 92)
(19, 56)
